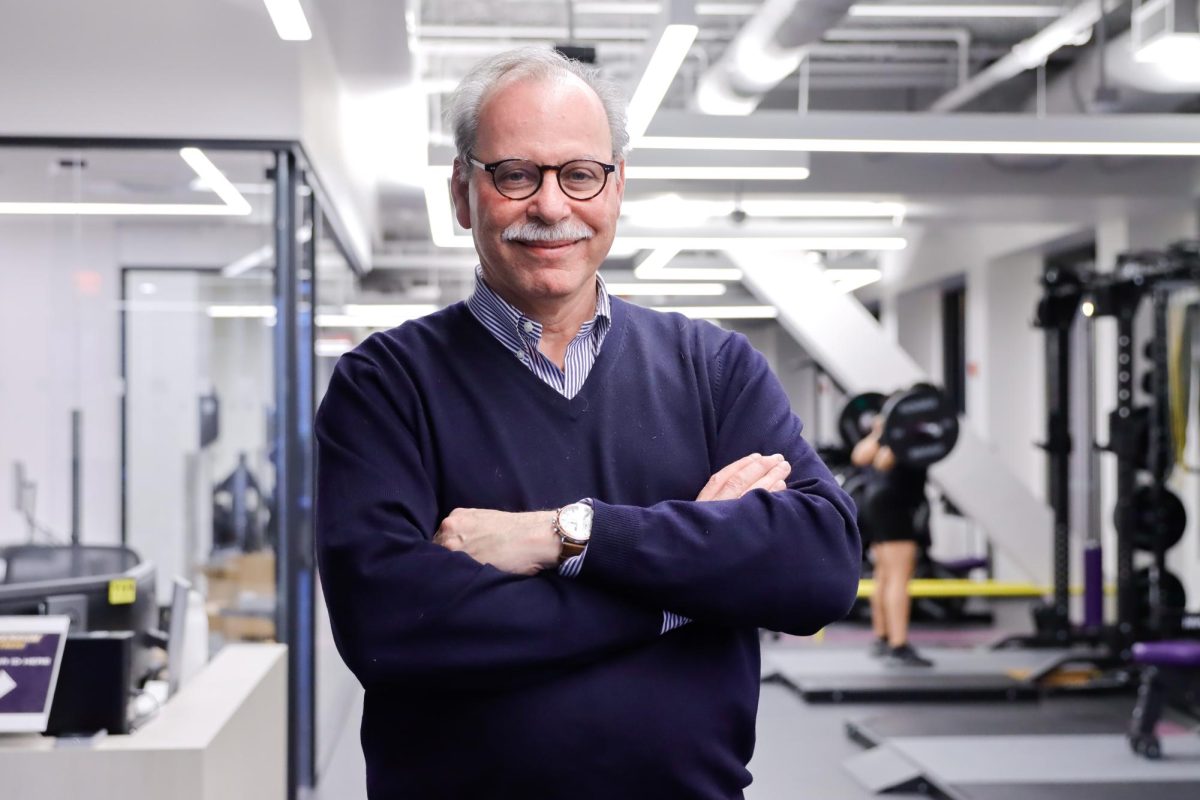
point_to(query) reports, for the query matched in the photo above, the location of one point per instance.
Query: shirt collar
(485, 299)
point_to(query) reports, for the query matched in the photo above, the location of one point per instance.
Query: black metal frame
(1056, 315)
(954, 344)
(294, 392)
(1118, 294)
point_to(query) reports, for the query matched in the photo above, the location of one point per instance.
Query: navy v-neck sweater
(483, 684)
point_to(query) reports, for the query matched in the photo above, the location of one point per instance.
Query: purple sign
(27, 662)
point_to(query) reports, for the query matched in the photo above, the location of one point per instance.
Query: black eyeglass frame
(542, 168)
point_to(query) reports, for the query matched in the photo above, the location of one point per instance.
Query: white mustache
(536, 232)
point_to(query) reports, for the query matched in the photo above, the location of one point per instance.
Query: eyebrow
(535, 161)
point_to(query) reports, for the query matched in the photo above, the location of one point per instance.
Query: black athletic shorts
(893, 508)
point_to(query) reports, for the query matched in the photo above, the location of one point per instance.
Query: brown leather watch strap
(569, 550)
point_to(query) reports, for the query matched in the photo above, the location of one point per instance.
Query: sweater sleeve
(404, 609)
(787, 561)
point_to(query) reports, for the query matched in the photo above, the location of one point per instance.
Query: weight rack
(1154, 274)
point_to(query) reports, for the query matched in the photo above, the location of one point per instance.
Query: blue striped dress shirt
(521, 336)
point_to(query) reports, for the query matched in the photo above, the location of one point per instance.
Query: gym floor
(801, 746)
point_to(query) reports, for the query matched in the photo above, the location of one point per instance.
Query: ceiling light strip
(116, 209)
(955, 11)
(926, 146)
(666, 289)
(723, 312)
(289, 20)
(669, 53)
(233, 203)
(215, 180)
(635, 172)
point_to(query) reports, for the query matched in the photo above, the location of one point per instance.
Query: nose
(549, 205)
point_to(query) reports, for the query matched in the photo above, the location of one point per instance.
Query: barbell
(919, 425)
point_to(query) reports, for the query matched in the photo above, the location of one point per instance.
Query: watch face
(575, 521)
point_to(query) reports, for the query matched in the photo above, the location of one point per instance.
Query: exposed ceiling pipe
(961, 37)
(1142, 87)
(1028, 54)
(768, 48)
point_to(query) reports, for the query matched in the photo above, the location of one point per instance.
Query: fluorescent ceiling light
(654, 289)
(842, 243)
(930, 146)
(252, 260)
(241, 312)
(723, 312)
(671, 210)
(215, 179)
(618, 8)
(672, 48)
(990, 10)
(375, 315)
(849, 280)
(956, 11)
(233, 203)
(1176, 53)
(655, 261)
(198, 185)
(116, 209)
(690, 274)
(290, 22)
(440, 210)
(635, 172)
(332, 348)
(1167, 33)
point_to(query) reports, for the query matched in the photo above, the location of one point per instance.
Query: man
(550, 522)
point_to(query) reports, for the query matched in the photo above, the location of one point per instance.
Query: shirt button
(528, 326)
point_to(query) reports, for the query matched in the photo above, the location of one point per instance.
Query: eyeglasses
(519, 178)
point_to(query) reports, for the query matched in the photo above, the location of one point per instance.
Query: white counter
(222, 737)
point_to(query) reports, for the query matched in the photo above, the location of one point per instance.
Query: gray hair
(462, 110)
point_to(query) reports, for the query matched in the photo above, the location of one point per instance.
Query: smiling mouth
(550, 245)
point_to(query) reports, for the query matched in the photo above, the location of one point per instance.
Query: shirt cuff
(673, 621)
(570, 568)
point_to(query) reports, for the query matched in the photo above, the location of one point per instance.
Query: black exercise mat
(1158, 790)
(1057, 716)
(911, 685)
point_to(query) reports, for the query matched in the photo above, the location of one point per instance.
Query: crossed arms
(453, 602)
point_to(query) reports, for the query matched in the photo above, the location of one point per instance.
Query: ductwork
(1142, 88)
(1027, 54)
(768, 48)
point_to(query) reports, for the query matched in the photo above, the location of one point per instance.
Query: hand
(520, 543)
(746, 474)
(885, 459)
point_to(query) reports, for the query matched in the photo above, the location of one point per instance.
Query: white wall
(186, 69)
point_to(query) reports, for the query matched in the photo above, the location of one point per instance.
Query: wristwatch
(573, 525)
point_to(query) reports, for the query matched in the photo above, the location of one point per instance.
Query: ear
(460, 194)
(621, 183)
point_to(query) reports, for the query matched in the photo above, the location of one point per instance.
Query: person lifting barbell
(903, 435)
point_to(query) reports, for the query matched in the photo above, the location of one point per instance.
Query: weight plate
(1174, 596)
(920, 426)
(855, 420)
(1166, 519)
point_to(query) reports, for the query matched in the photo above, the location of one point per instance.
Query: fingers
(775, 475)
(746, 474)
(716, 482)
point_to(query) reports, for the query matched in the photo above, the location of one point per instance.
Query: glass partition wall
(157, 373)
